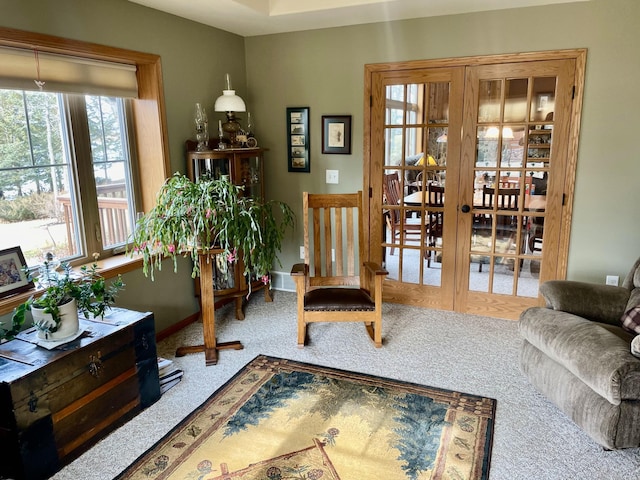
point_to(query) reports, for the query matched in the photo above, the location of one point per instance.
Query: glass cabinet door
(250, 175)
(244, 168)
(210, 164)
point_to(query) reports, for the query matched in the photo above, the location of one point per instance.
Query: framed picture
(336, 134)
(12, 278)
(298, 139)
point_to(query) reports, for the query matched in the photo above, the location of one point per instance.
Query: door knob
(465, 208)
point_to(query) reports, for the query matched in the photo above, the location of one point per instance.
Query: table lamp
(230, 103)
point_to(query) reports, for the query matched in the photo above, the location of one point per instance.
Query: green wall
(194, 60)
(324, 70)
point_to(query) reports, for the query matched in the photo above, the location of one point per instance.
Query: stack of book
(170, 375)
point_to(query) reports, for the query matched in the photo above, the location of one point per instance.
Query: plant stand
(208, 312)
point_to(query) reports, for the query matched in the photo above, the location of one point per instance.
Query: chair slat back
(505, 198)
(330, 229)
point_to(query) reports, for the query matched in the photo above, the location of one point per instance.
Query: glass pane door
(514, 159)
(415, 191)
(468, 173)
(415, 174)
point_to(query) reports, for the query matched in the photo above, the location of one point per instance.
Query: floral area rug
(279, 419)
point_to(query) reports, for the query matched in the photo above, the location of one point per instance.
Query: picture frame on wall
(336, 134)
(12, 277)
(298, 139)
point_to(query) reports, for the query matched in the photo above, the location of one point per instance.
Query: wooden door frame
(579, 55)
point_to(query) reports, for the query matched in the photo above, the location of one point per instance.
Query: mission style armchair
(331, 286)
(582, 351)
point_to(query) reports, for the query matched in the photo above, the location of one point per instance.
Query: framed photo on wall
(12, 278)
(298, 139)
(336, 134)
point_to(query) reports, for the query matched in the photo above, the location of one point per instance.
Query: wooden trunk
(55, 404)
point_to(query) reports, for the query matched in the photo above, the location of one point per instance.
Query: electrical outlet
(302, 252)
(612, 280)
(332, 176)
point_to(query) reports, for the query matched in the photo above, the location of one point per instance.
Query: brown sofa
(576, 352)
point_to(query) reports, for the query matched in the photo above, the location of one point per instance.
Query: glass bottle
(202, 128)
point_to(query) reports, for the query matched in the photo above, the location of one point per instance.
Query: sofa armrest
(600, 303)
(600, 356)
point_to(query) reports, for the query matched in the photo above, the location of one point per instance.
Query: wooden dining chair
(503, 199)
(336, 283)
(397, 223)
(435, 218)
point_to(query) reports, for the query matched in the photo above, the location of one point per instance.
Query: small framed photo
(336, 134)
(298, 139)
(12, 277)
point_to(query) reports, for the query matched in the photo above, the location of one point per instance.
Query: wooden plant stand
(208, 312)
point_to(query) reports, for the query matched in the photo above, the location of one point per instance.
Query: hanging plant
(191, 218)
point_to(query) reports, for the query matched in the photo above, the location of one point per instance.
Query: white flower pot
(68, 327)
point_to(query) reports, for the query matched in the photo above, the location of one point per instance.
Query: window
(66, 179)
(146, 117)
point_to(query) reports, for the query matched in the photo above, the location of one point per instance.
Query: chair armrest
(375, 269)
(601, 303)
(300, 269)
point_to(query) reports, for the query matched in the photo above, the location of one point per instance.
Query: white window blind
(65, 74)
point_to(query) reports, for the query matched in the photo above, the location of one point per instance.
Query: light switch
(332, 176)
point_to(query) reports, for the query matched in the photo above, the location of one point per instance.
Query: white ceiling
(261, 17)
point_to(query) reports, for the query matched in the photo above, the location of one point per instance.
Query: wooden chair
(435, 218)
(333, 290)
(505, 199)
(396, 222)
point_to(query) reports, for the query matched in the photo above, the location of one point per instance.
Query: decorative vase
(202, 128)
(69, 324)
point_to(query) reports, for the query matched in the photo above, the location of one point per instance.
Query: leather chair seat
(338, 299)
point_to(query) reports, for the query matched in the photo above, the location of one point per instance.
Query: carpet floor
(474, 354)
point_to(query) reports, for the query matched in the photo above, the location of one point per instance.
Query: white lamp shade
(229, 102)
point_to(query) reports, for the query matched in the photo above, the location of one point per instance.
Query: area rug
(279, 419)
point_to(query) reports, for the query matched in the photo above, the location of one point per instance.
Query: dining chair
(435, 218)
(336, 283)
(397, 222)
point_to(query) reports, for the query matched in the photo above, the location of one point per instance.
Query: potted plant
(55, 311)
(211, 213)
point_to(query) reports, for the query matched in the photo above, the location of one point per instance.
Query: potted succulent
(194, 217)
(55, 311)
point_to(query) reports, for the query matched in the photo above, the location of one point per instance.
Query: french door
(470, 169)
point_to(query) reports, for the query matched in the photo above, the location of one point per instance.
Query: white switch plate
(612, 280)
(302, 252)
(332, 176)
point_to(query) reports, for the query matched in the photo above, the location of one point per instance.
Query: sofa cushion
(597, 356)
(631, 320)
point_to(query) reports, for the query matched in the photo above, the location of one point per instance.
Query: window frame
(150, 135)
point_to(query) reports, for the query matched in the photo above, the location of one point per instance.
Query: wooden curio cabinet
(244, 167)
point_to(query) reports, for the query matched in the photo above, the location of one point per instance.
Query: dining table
(532, 203)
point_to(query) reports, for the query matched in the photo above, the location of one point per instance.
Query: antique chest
(54, 404)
